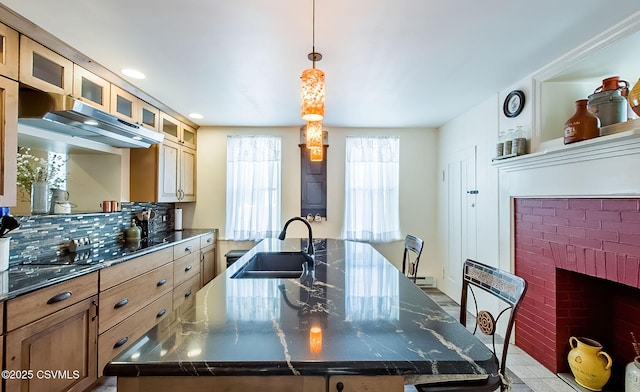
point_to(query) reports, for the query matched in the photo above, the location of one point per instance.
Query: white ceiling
(393, 63)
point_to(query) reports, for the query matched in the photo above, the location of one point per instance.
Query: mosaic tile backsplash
(43, 235)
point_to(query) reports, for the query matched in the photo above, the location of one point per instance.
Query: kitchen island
(353, 320)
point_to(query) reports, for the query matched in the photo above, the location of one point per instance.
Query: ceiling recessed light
(132, 73)
(196, 116)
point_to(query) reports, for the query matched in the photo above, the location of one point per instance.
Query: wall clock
(514, 103)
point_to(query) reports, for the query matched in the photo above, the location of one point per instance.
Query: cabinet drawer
(207, 240)
(116, 339)
(125, 299)
(40, 303)
(185, 268)
(122, 272)
(186, 248)
(186, 290)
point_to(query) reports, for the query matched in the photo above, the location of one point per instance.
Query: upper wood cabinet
(43, 69)
(9, 40)
(176, 131)
(8, 140)
(125, 104)
(91, 88)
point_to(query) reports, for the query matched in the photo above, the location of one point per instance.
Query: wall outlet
(164, 218)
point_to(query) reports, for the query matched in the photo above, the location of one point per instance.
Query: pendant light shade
(312, 95)
(314, 134)
(316, 154)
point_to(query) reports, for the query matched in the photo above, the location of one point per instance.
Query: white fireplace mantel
(555, 153)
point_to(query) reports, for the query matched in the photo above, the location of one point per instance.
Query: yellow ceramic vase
(591, 367)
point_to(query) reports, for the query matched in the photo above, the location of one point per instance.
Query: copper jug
(582, 125)
(614, 83)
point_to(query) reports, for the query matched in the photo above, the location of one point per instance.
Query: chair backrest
(412, 245)
(509, 288)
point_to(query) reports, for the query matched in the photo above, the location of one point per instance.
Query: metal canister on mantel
(608, 102)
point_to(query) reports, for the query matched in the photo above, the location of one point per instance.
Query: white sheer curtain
(372, 189)
(253, 187)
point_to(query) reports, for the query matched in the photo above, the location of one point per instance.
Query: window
(372, 195)
(253, 187)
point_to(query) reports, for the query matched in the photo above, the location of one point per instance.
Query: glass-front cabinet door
(91, 88)
(188, 136)
(170, 127)
(9, 52)
(44, 69)
(149, 115)
(124, 104)
(8, 140)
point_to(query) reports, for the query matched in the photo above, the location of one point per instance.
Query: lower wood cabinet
(116, 339)
(263, 384)
(55, 353)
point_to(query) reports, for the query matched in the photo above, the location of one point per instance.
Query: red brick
(581, 263)
(612, 266)
(522, 225)
(611, 236)
(587, 243)
(544, 228)
(555, 220)
(586, 204)
(532, 218)
(544, 211)
(631, 270)
(522, 240)
(620, 204)
(563, 239)
(630, 250)
(556, 203)
(628, 216)
(590, 262)
(630, 238)
(572, 231)
(525, 202)
(613, 216)
(621, 227)
(571, 214)
(590, 224)
(530, 233)
(601, 265)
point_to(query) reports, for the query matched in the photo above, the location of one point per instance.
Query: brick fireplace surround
(581, 259)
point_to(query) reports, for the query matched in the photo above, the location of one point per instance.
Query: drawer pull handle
(187, 249)
(59, 298)
(161, 283)
(188, 293)
(121, 303)
(187, 268)
(121, 342)
(209, 240)
(161, 313)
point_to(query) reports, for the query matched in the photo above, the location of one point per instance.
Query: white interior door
(461, 239)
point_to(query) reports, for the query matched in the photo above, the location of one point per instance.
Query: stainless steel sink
(274, 265)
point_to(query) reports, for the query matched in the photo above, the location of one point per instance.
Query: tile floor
(525, 372)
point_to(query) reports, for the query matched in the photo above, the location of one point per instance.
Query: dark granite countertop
(373, 321)
(46, 271)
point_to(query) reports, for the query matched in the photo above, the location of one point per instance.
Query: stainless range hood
(69, 116)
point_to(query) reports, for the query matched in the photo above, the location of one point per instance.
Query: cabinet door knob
(161, 282)
(209, 240)
(161, 313)
(339, 386)
(121, 342)
(188, 293)
(187, 268)
(121, 303)
(59, 297)
(187, 249)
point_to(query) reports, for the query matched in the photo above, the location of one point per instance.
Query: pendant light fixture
(312, 93)
(314, 134)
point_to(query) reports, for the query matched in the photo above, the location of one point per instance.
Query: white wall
(418, 148)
